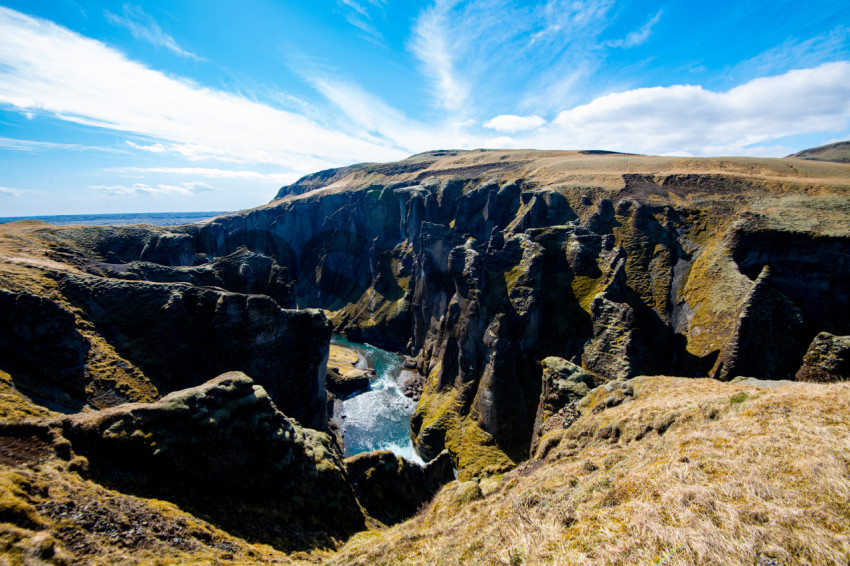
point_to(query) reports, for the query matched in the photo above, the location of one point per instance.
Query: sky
(159, 106)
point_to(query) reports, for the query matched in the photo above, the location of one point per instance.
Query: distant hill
(838, 152)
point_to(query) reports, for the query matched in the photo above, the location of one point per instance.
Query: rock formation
(224, 451)
(564, 384)
(345, 376)
(827, 359)
(39, 336)
(392, 489)
(514, 281)
(480, 264)
(180, 335)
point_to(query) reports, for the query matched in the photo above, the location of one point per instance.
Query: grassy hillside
(663, 471)
(838, 152)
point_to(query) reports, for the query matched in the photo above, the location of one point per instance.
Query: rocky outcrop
(181, 335)
(40, 337)
(242, 271)
(224, 451)
(479, 269)
(564, 384)
(827, 360)
(346, 373)
(344, 385)
(613, 351)
(391, 488)
(768, 336)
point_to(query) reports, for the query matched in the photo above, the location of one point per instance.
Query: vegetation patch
(724, 486)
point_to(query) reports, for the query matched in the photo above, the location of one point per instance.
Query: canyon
(552, 303)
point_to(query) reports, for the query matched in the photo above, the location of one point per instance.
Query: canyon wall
(481, 264)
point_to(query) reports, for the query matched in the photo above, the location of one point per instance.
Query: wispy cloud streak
(207, 172)
(185, 189)
(433, 40)
(145, 28)
(476, 52)
(8, 191)
(11, 144)
(357, 13)
(639, 36)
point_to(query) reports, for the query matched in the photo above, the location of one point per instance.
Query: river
(378, 419)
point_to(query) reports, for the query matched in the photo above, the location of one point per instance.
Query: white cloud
(511, 123)
(190, 188)
(49, 68)
(685, 118)
(476, 52)
(145, 28)
(433, 35)
(376, 118)
(152, 147)
(211, 173)
(12, 192)
(639, 36)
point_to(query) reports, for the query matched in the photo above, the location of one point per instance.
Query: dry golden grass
(683, 472)
(14, 405)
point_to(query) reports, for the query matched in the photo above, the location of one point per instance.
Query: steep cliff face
(481, 264)
(88, 320)
(179, 335)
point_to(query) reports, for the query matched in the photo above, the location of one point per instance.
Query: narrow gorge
(531, 295)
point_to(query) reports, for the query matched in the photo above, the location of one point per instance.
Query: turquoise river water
(378, 419)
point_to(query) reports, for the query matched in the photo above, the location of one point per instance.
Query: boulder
(224, 451)
(348, 383)
(827, 359)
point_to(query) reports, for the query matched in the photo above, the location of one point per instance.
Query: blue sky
(212, 105)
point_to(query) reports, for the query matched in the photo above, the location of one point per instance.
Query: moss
(739, 398)
(512, 276)
(15, 510)
(110, 374)
(478, 455)
(713, 291)
(639, 243)
(440, 408)
(14, 405)
(439, 413)
(585, 289)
